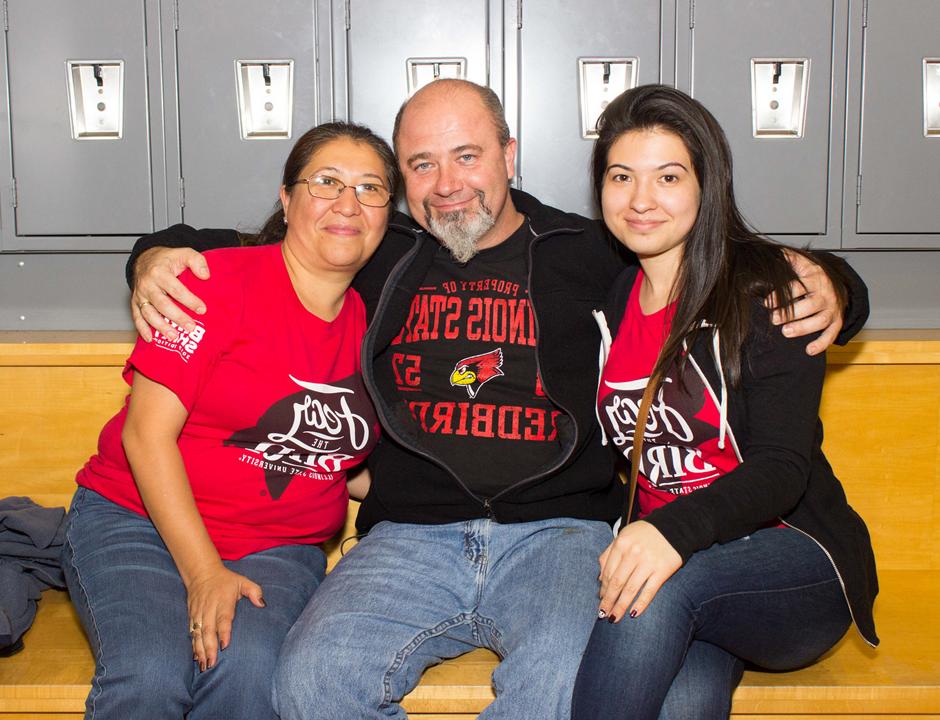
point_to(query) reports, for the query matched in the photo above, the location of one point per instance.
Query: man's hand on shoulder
(156, 274)
(816, 307)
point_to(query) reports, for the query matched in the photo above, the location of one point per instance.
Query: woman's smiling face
(650, 197)
(339, 234)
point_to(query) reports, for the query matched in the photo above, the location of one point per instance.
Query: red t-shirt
(277, 409)
(680, 442)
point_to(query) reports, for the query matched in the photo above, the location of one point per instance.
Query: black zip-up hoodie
(571, 265)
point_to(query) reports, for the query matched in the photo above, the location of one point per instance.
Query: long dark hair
(725, 264)
(307, 145)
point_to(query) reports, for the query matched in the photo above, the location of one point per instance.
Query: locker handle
(266, 73)
(600, 80)
(778, 71)
(96, 69)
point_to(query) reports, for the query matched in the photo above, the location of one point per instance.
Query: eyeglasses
(329, 188)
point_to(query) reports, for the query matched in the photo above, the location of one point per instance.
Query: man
(492, 495)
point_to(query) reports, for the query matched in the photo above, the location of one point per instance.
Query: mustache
(481, 196)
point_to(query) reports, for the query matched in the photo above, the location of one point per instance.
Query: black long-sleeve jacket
(773, 418)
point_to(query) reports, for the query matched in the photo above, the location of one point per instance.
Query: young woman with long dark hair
(744, 548)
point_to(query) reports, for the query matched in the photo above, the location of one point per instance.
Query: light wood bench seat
(882, 414)
(902, 677)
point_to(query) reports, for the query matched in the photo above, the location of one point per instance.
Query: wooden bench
(882, 413)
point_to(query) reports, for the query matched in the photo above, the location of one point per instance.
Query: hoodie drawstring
(603, 354)
(723, 404)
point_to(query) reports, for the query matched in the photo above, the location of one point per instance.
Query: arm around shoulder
(179, 236)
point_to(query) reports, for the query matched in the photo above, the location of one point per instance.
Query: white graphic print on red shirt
(314, 433)
(680, 442)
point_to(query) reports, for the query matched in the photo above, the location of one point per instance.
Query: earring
(285, 219)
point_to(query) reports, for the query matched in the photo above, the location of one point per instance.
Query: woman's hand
(633, 568)
(155, 282)
(212, 597)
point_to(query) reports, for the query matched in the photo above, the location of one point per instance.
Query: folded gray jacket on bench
(31, 539)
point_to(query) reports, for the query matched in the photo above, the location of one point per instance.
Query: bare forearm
(161, 479)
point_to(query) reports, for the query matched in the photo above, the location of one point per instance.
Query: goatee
(460, 230)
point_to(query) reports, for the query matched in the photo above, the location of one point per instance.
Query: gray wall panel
(383, 34)
(902, 286)
(782, 184)
(67, 186)
(900, 167)
(63, 292)
(527, 50)
(230, 182)
(554, 157)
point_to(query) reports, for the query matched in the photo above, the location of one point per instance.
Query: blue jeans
(408, 596)
(132, 604)
(772, 599)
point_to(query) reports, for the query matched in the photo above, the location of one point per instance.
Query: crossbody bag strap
(638, 432)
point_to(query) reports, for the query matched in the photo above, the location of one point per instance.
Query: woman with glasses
(192, 540)
(744, 548)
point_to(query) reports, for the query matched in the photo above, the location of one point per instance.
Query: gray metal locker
(569, 53)
(247, 88)
(78, 99)
(897, 136)
(390, 46)
(765, 69)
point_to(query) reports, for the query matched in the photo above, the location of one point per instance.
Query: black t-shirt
(466, 370)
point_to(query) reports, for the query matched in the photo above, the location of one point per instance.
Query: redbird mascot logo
(475, 371)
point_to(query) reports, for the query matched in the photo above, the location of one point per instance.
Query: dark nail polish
(633, 613)
(611, 618)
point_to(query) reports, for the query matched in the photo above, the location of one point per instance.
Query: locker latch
(265, 98)
(600, 80)
(778, 96)
(96, 99)
(932, 97)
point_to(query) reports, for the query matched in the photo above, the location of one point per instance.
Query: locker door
(782, 181)
(554, 156)
(383, 35)
(71, 179)
(228, 181)
(899, 156)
